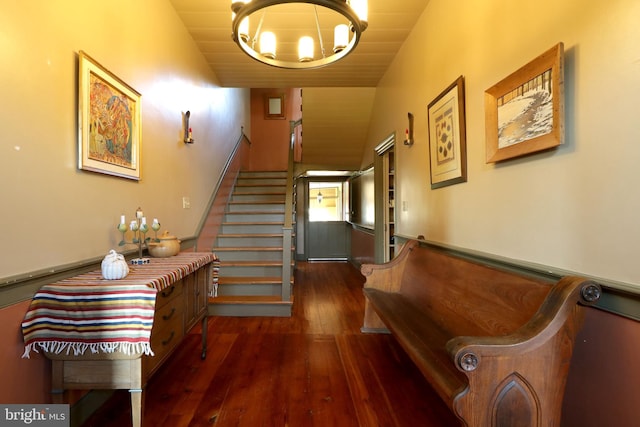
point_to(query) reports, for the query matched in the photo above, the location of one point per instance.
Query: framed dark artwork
(110, 122)
(524, 113)
(447, 136)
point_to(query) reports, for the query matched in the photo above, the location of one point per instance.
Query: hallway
(313, 369)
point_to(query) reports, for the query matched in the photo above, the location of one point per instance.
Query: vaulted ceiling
(337, 99)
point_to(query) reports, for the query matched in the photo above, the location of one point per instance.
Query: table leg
(205, 327)
(57, 381)
(136, 407)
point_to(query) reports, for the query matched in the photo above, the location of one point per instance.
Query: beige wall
(575, 208)
(54, 214)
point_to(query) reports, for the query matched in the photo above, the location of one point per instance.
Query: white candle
(138, 214)
(121, 219)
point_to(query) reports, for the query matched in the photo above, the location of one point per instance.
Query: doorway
(326, 226)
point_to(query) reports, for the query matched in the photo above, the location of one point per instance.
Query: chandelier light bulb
(268, 44)
(340, 38)
(305, 49)
(361, 8)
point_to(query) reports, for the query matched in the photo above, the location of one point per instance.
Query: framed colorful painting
(447, 136)
(110, 128)
(524, 112)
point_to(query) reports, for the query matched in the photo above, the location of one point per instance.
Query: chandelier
(254, 31)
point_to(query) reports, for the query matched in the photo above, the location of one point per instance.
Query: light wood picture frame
(447, 136)
(524, 113)
(110, 122)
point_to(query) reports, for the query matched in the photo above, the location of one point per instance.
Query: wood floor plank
(315, 369)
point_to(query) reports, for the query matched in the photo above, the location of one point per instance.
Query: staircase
(250, 249)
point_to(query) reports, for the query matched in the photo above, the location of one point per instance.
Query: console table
(114, 334)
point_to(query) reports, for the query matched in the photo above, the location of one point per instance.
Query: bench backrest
(474, 299)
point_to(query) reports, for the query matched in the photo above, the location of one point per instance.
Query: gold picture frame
(447, 136)
(524, 113)
(110, 122)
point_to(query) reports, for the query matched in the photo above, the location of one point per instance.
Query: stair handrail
(223, 175)
(287, 228)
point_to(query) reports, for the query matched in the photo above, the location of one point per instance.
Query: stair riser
(255, 207)
(250, 271)
(252, 189)
(249, 290)
(261, 181)
(251, 228)
(263, 174)
(257, 198)
(252, 217)
(249, 241)
(248, 255)
(248, 310)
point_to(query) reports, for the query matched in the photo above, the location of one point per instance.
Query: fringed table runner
(87, 312)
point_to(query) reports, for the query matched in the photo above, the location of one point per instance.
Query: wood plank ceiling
(337, 99)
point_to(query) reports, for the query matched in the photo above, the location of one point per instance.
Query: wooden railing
(215, 212)
(287, 228)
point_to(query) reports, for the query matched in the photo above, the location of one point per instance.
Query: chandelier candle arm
(354, 13)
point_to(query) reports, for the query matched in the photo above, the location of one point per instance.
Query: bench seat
(423, 340)
(494, 344)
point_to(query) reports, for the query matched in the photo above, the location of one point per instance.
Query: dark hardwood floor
(313, 369)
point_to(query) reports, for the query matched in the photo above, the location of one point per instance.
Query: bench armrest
(387, 277)
(526, 369)
(556, 310)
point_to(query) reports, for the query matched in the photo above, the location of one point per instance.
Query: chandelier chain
(315, 9)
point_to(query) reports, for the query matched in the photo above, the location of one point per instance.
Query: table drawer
(167, 332)
(169, 294)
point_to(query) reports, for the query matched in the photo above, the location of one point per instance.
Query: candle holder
(139, 227)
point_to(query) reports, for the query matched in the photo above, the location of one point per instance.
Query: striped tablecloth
(88, 313)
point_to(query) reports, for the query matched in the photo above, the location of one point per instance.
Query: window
(326, 201)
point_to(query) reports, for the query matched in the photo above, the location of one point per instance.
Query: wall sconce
(188, 135)
(408, 138)
(319, 197)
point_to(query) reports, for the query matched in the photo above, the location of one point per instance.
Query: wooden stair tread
(259, 193)
(256, 202)
(248, 280)
(251, 263)
(253, 223)
(247, 248)
(254, 212)
(251, 235)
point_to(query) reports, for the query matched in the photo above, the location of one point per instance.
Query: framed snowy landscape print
(524, 113)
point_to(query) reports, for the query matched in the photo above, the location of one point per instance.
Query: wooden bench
(495, 345)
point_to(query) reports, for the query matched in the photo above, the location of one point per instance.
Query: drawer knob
(170, 315)
(168, 292)
(168, 340)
